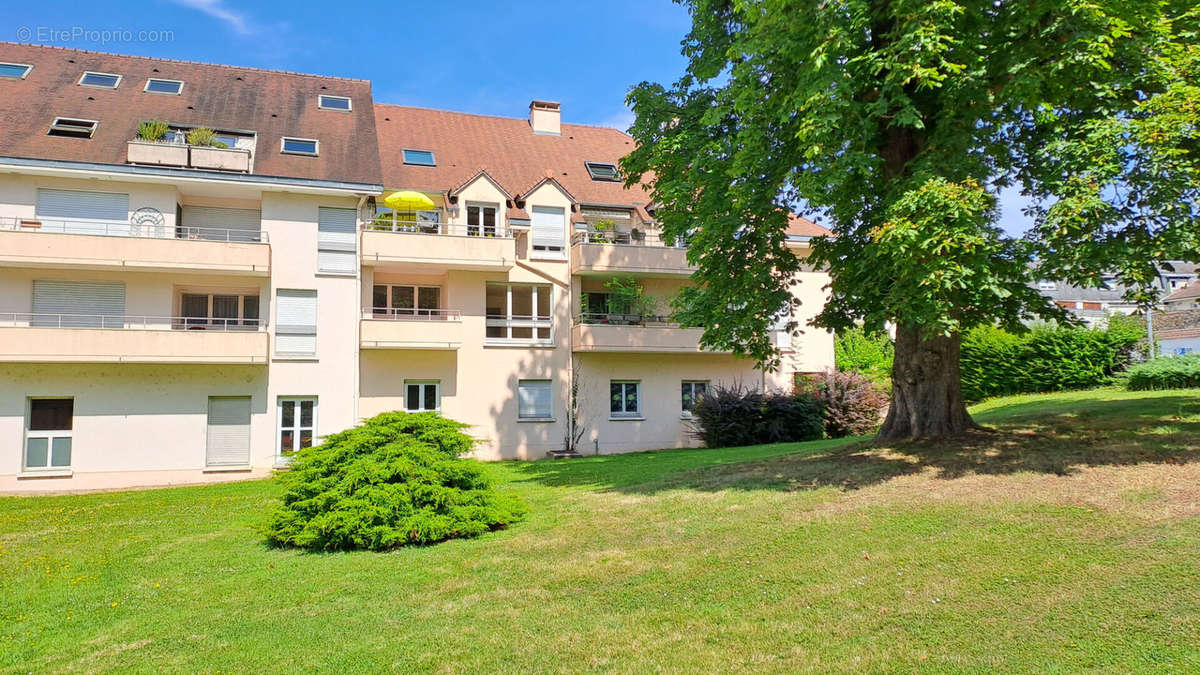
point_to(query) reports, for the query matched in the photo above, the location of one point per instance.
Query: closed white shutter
(228, 431)
(80, 212)
(336, 237)
(212, 222)
(535, 399)
(78, 304)
(295, 322)
(549, 231)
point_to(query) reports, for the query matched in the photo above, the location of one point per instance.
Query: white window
(297, 423)
(418, 157)
(295, 323)
(337, 250)
(327, 102)
(100, 80)
(422, 395)
(535, 400)
(481, 220)
(17, 71)
(1047, 285)
(78, 304)
(299, 146)
(155, 85)
(518, 313)
(692, 391)
(403, 301)
(218, 311)
(72, 128)
(602, 171)
(549, 232)
(625, 399)
(48, 434)
(228, 431)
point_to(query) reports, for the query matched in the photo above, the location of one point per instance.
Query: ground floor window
(48, 433)
(692, 391)
(422, 395)
(297, 423)
(625, 398)
(535, 400)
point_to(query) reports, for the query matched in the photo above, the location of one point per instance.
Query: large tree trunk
(927, 397)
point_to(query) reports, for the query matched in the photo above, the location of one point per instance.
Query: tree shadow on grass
(1033, 439)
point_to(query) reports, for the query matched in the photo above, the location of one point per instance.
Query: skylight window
(326, 102)
(17, 71)
(100, 80)
(299, 146)
(602, 170)
(73, 128)
(419, 157)
(155, 85)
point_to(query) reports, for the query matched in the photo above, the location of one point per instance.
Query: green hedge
(857, 351)
(1047, 358)
(394, 480)
(1168, 372)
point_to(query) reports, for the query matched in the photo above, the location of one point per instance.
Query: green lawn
(1068, 541)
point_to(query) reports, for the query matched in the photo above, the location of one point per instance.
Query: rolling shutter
(80, 212)
(78, 304)
(535, 399)
(549, 230)
(336, 236)
(228, 431)
(296, 322)
(213, 222)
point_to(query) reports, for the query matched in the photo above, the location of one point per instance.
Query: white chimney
(545, 117)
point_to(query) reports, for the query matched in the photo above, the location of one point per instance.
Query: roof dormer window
(419, 157)
(299, 146)
(602, 171)
(155, 85)
(17, 71)
(72, 128)
(327, 102)
(100, 80)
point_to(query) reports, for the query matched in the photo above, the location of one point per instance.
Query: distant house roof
(273, 104)
(799, 226)
(1185, 293)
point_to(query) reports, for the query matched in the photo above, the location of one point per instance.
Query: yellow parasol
(407, 200)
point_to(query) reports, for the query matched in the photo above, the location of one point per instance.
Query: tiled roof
(803, 227)
(505, 147)
(271, 103)
(1185, 293)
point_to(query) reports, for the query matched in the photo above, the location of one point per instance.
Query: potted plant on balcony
(153, 131)
(628, 303)
(209, 152)
(150, 146)
(601, 231)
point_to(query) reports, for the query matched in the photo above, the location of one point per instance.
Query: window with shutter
(295, 322)
(78, 304)
(221, 224)
(549, 232)
(336, 237)
(228, 431)
(82, 212)
(535, 400)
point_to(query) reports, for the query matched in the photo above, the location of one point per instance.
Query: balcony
(389, 328)
(439, 245)
(188, 156)
(633, 333)
(93, 244)
(94, 338)
(619, 253)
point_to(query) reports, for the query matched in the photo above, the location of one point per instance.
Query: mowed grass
(1069, 540)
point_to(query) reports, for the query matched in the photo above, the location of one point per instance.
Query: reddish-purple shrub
(852, 403)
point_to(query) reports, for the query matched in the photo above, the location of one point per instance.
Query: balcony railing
(402, 314)
(384, 224)
(129, 322)
(618, 319)
(623, 238)
(125, 229)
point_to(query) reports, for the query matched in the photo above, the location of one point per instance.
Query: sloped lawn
(1068, 541)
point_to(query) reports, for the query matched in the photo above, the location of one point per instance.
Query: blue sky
(470, 55)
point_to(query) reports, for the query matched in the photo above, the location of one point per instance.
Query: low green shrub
(733, 416)
(1167, 372)
(394, 480)
(994, 362)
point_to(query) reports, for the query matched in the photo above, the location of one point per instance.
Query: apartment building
(194, 300)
